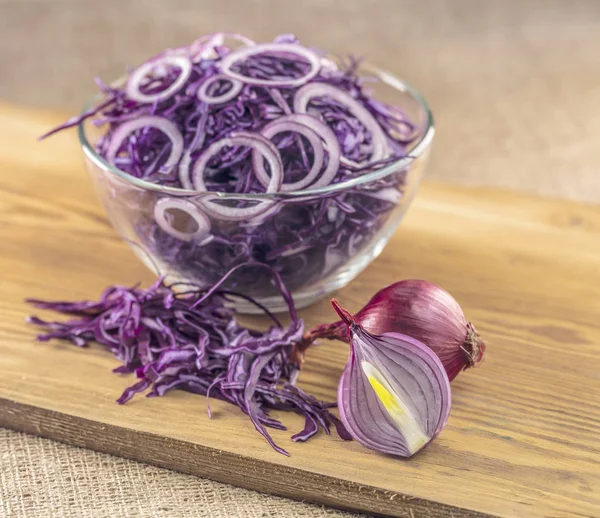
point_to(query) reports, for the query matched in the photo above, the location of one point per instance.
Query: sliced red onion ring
(278, 126)
(174, 60)
(307, 92)
(286, 48)
(186, 159)
(226, 213)
(187, 207)
(152, 121)
(236, 88)
(300, 123)
(184, 171)
(242, 138)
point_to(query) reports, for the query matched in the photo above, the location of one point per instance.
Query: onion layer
(148, 121)
(295, 120)
(279, 126)
(310, 91)
(133, 89)
(236, 87)
(259, 143)
(280, 48)
(186, 206)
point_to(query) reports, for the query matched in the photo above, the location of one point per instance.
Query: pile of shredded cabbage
(192, 341)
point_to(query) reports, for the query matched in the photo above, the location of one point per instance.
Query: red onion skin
(418, 309)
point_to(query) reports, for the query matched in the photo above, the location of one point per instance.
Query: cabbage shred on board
(192, 341)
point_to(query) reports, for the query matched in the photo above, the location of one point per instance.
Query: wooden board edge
(225, 467)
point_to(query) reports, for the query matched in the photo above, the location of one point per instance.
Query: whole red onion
(418, 309)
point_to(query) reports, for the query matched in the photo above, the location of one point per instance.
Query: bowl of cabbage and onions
(228, 152)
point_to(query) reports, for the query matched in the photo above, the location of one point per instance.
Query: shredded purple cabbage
(303, 240)
(192, 341)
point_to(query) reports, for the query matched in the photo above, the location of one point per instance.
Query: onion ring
(151, 121)
(236, 88)
(287, 48)
(278, 126)
(187, 207)
(175, 59)
(329, 138)
(196, 178)
(307, 92)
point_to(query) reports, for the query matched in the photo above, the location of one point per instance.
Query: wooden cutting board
(524, 434)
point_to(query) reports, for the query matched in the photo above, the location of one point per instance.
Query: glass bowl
(317, 239)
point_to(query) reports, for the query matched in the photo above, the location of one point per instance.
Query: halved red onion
(310, 91)
(305, 125)
(175, 59)
(394, 394)
(148, 121)
(160, 215)
(281, 48)
(236, 87)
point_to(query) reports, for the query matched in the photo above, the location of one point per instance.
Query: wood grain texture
(522, 439)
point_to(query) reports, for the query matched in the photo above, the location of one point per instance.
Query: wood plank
(522, 439)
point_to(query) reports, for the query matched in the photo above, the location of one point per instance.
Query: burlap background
(515, 87)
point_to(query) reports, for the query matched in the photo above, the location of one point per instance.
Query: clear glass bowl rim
(391, 80)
